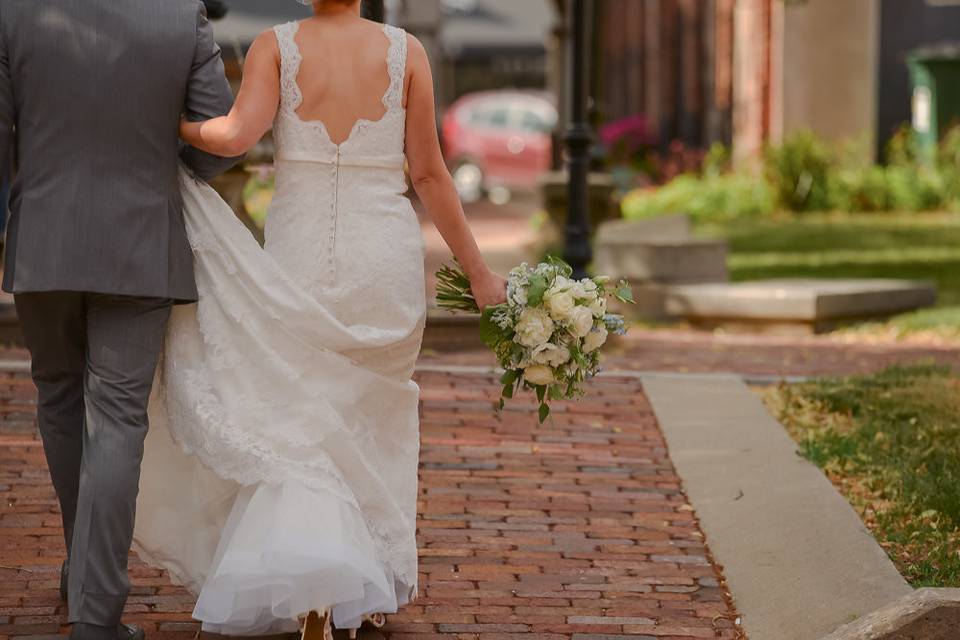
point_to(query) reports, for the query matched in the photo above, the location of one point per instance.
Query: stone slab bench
(660, 250)
(808, 304)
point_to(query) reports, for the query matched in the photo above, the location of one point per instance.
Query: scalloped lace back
(383, 136)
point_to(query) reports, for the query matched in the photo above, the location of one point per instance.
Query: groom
(91, 94)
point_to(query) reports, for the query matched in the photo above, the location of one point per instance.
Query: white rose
(595, 339)
(538, 374)
(559, 303)
(534, 327)
(550, 354)
(599, 307)
(578, 291)
(581, 321)
(591, 291)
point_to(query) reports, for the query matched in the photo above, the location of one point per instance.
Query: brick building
(749, 71)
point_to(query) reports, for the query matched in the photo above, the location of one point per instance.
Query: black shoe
(64, 579)
(83, 631)
(130, 632)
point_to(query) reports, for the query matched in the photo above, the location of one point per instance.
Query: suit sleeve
(7, 107)
(208, 96)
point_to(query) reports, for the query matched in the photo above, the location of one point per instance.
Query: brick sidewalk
(682, 351)
(577, 528)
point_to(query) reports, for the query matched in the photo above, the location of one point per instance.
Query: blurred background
(778, 149)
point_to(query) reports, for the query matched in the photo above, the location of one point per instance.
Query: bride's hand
(489, 289)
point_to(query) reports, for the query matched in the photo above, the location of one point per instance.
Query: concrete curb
(925, 614)
(797, 558)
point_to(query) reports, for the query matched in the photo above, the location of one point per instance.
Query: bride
(280, 473)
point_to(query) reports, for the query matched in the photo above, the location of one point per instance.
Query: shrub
(717, 161)
(862, 188)
(914, 188)
(903, 149)
(894, 188)
(798, 169)
(948, 162)
(715, 197)
(804, 174)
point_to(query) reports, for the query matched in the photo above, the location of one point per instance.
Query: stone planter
(654, 255)
(603, 206)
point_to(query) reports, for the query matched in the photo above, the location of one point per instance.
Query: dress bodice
(371, 142)
(334, 201)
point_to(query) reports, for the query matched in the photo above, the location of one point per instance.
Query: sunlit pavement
(505, 234)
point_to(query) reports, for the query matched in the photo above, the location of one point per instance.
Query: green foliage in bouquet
(548, 334)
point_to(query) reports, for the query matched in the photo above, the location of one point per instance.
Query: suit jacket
(91, 95)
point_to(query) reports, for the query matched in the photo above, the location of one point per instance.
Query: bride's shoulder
(266, 46)
(269, 38)
(416, 53)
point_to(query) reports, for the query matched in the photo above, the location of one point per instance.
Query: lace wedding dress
(280, 471)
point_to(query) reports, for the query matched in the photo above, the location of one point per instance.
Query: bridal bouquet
(548, 334)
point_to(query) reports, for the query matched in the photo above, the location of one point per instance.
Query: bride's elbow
(422, 181)
(428, 178)
(238, 144)
(234, 148)
(233, 140)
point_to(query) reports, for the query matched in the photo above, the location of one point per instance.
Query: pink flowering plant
(629, 141)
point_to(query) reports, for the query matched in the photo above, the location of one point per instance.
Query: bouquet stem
(453, 289)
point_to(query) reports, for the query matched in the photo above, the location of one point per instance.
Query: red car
(498, 141)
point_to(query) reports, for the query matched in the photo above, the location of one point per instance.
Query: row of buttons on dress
(335, 186)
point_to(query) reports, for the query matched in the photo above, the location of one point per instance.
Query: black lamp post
(578, 139)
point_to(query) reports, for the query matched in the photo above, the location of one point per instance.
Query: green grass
(891, 443)
(913, 246)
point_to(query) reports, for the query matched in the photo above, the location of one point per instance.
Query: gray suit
(91, 93)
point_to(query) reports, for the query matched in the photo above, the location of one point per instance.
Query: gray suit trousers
(94, 358)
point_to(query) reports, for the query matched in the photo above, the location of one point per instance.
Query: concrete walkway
(577, 529)
(798, 559)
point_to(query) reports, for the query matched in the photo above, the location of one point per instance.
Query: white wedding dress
(280, 470)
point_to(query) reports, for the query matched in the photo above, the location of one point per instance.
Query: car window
(534, 122)
(499, 117)
(489, 115)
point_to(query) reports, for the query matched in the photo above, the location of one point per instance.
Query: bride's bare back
(343, 75)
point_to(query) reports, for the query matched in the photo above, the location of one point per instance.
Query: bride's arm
(253, 112)
(433, 183)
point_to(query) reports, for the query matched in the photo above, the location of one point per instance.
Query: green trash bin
(935, 72)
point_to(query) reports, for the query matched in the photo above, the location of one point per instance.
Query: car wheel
(468, 179)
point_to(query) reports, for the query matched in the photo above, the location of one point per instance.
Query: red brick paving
(575, 529)
(703, 352)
